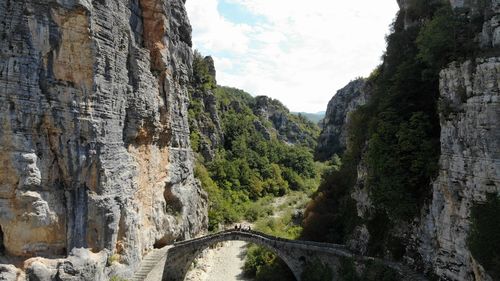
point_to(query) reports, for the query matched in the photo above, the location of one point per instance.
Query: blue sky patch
(238, 14)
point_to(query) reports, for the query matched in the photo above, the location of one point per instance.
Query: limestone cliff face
(333, 137)
(206, 123)
(94, 139)
(469, 166)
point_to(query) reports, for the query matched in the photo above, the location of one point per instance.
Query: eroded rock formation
(94, 138)
(333, 137)
(469, 166)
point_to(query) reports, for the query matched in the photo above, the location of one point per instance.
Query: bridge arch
(182, 255)
(177, 258)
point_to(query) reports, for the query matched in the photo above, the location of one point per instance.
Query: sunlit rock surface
(94, 138)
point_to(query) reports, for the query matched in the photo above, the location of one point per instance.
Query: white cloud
(302, 53)
(213, 32)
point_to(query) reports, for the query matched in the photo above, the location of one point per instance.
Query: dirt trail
(225, 263)
(222, 263)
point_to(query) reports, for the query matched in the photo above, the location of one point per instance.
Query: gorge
(116, 141)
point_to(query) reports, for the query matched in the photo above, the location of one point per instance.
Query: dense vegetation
(484, 238)
(261, 263)
(260, 152)
(396, 135)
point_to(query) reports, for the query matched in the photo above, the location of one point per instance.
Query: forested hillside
(248, 147)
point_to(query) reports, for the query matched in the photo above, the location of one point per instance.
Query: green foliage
(484, 236)
(264, 265)
(332, 215)
(283, 227)
(202, 77)
(317, 271)
(402, 156)
(117, 278)
(447, 36)
(113, 259)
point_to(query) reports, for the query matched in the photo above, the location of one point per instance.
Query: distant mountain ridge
(313, 117)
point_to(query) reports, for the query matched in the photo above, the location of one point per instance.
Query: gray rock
(94, 138)
(469, 167)
(81, 265)
(333, 137)
(9, 272)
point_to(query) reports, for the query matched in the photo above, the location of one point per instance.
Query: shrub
(317, 271)
(117, 278)
(484, 235)
(264, 265)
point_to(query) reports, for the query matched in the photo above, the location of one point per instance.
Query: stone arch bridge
(172, 262)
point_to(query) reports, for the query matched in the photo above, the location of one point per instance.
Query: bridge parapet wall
(295, 253)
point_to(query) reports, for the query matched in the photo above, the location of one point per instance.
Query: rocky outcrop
(81, 265)
(469, 166)
(486, 11)
(204, 117)
(287, 128)
(469, 171)
(436, 241)
(333, 137)
(94, 139)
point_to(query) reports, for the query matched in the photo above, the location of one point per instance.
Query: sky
(297, 51)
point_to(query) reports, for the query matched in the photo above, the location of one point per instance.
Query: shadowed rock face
(333, 137)
(94, 138)
(469, 167)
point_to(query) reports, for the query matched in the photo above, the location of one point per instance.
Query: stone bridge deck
(172, 262)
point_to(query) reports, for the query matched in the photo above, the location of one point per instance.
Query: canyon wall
(94, 139)
(469, 167)
(333, 137)
(437, 240)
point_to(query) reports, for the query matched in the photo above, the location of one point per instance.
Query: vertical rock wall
(94, 138)
(333, 137)
(469, 166)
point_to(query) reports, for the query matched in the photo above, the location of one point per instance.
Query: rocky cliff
(204, 120)
(367, 201)
(333, 137)
(94, 139)
(469, 167)
(289, 128)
